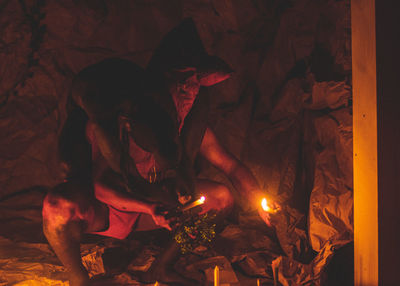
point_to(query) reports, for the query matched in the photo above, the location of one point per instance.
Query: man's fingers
(163, 222)
(166, 224)
(268, 220)
(265, 216)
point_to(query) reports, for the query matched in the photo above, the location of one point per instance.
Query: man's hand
(184, 199)
(159, 217)
(268, 215)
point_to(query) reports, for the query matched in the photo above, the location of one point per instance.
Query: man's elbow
(104, 194)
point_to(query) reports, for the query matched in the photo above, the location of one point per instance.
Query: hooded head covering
(182, 48)
(115, 91)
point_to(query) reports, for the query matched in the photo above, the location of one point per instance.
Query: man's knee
(224, 196)
(61, 205)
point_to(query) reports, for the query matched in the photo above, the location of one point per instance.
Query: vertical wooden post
(365, 143)
(376, 131)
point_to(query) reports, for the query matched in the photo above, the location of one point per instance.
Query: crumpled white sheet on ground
(29, 264)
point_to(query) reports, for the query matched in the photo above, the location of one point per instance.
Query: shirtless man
(188, 106)
(102, 201)
(116, 196)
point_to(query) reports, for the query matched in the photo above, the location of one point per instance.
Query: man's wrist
(151, 208)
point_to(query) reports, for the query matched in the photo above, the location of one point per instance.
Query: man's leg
(68, 212)
(218, 200)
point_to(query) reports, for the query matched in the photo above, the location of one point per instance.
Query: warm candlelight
(265, 205)
(258, 282)
(267, 208)
(194, 204)
(216, 276)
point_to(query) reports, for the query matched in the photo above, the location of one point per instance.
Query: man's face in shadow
(183, 85)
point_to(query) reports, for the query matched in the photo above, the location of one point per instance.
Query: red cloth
(120, 223)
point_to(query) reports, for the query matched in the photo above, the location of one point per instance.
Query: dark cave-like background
(286, 111)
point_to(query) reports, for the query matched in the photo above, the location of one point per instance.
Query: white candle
(216, 276)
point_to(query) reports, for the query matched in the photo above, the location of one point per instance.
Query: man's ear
(213, 70)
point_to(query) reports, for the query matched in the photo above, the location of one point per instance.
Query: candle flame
(194, 204)
(265, 205)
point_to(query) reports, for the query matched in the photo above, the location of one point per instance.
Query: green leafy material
(195, 231)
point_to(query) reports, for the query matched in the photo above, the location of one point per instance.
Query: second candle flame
(265, 205)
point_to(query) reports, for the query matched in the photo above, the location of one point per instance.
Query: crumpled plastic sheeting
(290, 229)
(292, 273)
(93, 261)
(329, 94)
(142, 261)
(34, 264)
(226, 273)
(29, 264)
(43, 281)
(331, 201)
(236, 240)
(254, 264)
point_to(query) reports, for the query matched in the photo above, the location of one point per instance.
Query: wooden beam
(365, 152)
(376, 131)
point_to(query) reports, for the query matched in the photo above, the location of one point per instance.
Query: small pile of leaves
(195, 231)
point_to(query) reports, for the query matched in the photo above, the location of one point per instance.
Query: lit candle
(156, 284)
(266, 207)
(216, 276)
(194, 204)
(258, 282)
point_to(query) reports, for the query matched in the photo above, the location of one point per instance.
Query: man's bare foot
(162, 275)
(79, 280)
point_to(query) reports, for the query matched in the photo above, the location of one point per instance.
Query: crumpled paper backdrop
(294, 134)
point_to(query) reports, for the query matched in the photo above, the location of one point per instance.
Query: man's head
(183, 83)
(184, 63)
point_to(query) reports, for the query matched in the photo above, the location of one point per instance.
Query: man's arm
(126, 202)
(240, 176)
(73, 148)
(109, 147)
